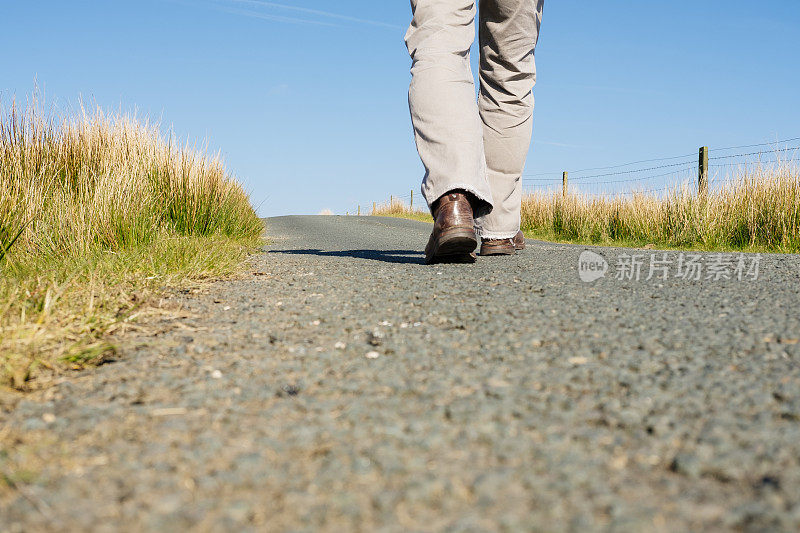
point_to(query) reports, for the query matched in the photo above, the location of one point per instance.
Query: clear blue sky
(307, 100)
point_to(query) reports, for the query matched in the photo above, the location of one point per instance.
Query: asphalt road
(342, 385)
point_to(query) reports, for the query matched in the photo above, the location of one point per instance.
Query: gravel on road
(342, 385)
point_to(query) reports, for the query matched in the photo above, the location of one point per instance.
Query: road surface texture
(342, 385)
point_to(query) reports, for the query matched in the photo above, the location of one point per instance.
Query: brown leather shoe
(497, 247)
(519, 240)
(453, 239)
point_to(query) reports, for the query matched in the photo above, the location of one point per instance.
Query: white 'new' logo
(591, 266)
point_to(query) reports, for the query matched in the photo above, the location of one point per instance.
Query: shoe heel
(457, 243)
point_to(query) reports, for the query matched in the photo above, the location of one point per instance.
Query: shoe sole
(504, 250)
(453, 246)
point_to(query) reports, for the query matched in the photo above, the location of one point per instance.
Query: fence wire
(683, 168)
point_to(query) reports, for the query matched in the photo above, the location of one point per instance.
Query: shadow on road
(386, 256)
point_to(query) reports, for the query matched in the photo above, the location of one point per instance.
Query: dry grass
(756, 209)
(97, 212)
(396, 208)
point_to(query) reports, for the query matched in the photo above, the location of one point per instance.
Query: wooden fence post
(373, 208)
(391, 201)
(702, 172)
(359, 210)
(564, 179)
(411, 205)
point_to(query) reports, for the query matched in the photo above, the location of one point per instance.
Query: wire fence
(659, 175)
(710, 169)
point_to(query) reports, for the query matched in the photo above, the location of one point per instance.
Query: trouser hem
(483, 234)
(484, 207)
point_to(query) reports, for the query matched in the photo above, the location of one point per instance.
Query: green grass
(58, 313)
(549, 235)
(97, 215)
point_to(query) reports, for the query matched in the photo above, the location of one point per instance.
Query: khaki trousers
(476, 146)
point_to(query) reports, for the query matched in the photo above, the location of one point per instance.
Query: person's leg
(509, 30)
(441, 98)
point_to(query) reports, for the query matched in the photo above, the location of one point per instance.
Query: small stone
(375, 338)
(226, 308)
(577, 360)
(169, 411)
(340, 345)
(49, 418)
(372, 355)
(686, 464)
(619, 462)
(216, 374)
(291, 390)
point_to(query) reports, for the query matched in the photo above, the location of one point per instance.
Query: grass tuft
(400, 210)
(97, 214)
